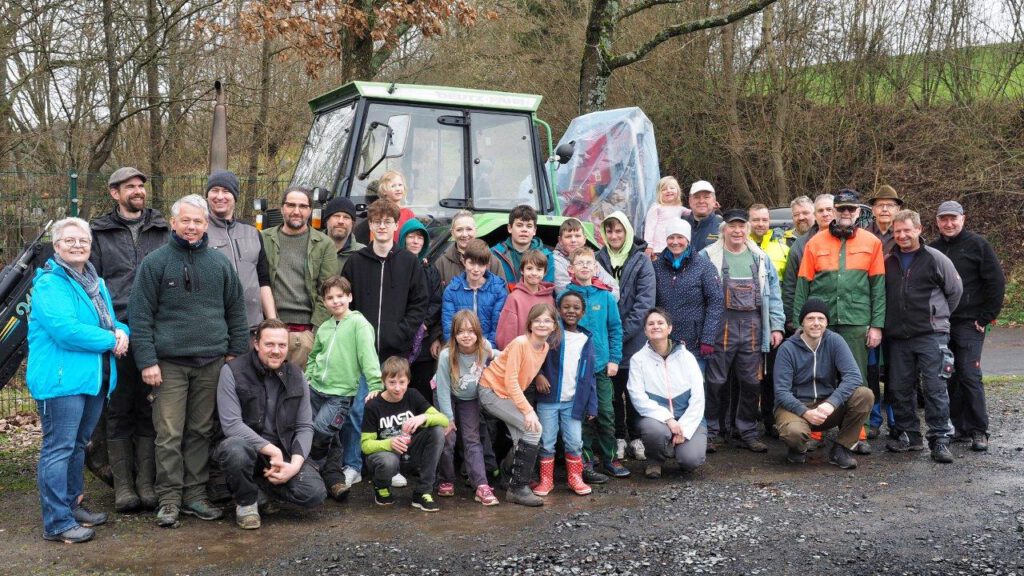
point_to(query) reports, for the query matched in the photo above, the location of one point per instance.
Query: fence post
(73, 192)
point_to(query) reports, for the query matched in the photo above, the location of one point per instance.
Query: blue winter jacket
(509, 259)
(486, 301)
(602, 320)
(65, 341)
(692, 295)
(585, 401)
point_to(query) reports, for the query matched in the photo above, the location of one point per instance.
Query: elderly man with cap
(704, 222)
(818, 387)
(984, 287)
(242, 244)
(121, 239)
(752, 325)
(339, 219)
(688, 288)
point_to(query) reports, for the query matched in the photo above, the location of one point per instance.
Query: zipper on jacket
(330, 347)
(380, 303)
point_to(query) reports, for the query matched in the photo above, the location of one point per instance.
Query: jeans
(424, 452)
(351, 430)
(657, 438)
(966, 392)
(599, 434)
(907, 358)
(467, 423)
(330, 413)
(555, 416)
(243, 468)
(67, 423)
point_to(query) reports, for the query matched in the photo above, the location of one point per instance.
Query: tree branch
(641, 6)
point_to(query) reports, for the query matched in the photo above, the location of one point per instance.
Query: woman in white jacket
(667, 389)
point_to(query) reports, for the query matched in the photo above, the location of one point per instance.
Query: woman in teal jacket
(73, 337)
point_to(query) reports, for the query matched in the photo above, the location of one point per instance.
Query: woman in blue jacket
(73, 337)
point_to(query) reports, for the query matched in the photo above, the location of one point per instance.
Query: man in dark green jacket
(187, 315)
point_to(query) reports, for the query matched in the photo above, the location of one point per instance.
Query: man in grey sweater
(267, 420)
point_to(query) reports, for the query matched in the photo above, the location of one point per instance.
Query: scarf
(90, 282)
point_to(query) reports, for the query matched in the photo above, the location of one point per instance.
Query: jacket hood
(624, 220)
(546, 289)
(411, 225)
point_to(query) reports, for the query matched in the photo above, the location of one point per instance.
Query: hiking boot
(145, 473)
(202, 509)
(940, 451)
(874, 432)
(862, 448)
(841, 456)
(979, 442)
(338, 490)
(653, 471)
(87, 518)
(591, 476)
(523, 460)
(425, 502)
(247, 517)
(383, 496)
(485, 495)
(446, 489)
(547, 477)
(74, 535)
(167, 516)
(753, 444)
(615, 468)
(637, 449)
(399, 481)
(713, 442)
(796, 456)
(905, 442)
(122, 467)
(620, 449)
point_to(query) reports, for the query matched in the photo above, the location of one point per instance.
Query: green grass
(17, 465)
(1013, 304)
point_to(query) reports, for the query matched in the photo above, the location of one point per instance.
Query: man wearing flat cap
(984, 286)
(121, 239)
(242, 244)
(339, 219)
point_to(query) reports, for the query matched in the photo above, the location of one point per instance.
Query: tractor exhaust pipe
(219, 133)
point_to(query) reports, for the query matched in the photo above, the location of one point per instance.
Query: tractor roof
(428, 95)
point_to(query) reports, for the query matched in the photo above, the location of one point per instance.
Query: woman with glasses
(73, 338)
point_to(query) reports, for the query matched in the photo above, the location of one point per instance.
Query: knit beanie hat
(813, 305)
(225, 179)
(339, 204)
(678, 226)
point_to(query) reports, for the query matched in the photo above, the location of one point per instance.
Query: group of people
(284, 364)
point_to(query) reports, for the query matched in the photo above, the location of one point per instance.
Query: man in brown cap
(884, 205)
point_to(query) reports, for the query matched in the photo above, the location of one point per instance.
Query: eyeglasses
(543, 321)
(294, 206)
(382, 223)
(76, 241)
(585, 263)
(846, 209)
(885, 206)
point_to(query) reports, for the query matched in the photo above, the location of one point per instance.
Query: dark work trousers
(966, 393)
(424, 452)
(768, 393)
(738, 349)
(627, 419)
(243, 467)
(129, 411)
(422, 373)
(907, 358)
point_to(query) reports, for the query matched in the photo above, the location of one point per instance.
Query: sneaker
(74, 535)
(620, 448)
(86, 518)
(874, 432)
(446, 489)
(167, 516)
(636, 447)
(941, 453)
(352, 476)
(796, 456)
(399, 481)
(615, 468)
(904, 443)
(202, 509)
(862, 448)
(247, 517)
(485, 495)
(754, 445)
(841, 456)
(338, 490)
(424, 502)
(591, 476)
(383, 496)
(979, 442)
(653, 471)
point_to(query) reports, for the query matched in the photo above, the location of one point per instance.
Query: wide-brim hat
(886, 192)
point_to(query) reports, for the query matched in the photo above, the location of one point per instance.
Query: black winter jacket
(116, 256)
(982, 277)
(919, 299)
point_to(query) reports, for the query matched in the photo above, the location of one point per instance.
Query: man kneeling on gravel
(818, 387)
(267, 420)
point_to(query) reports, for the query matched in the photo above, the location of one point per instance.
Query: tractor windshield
(324, 150)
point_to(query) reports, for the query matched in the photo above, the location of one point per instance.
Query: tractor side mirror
(565, 151)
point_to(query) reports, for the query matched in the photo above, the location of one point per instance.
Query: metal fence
(29, 199)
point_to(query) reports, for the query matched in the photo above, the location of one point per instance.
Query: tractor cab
(458, 149)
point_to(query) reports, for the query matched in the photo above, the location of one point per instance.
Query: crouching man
(818, 387)
(268, 427)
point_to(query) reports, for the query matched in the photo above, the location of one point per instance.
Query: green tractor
(459, 149)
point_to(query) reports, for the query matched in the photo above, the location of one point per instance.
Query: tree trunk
(594, 69)
(101, 148)
(780, 112)
(153, 101)
(259, 128)
(735, 145)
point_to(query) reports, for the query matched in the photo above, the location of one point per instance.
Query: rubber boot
(145, 472)
(522, 468)
(574, 472)
(547, 477)
(121, 454)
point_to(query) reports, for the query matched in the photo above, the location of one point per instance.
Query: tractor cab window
(324, 150)
(503, 162)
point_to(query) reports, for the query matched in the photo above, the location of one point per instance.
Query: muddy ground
(742, 513)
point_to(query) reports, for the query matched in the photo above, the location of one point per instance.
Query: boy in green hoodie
(344, 350)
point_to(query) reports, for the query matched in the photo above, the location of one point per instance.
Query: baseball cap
(734, 214)
(701, 186)
(847, 197)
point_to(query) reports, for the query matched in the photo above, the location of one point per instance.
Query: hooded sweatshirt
(342, 352)
(635, 274)
(512, 322)
(430, 330)
(509, 258)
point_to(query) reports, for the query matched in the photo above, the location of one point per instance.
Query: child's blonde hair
(664, 182)
(390, 175)
(465, 316)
